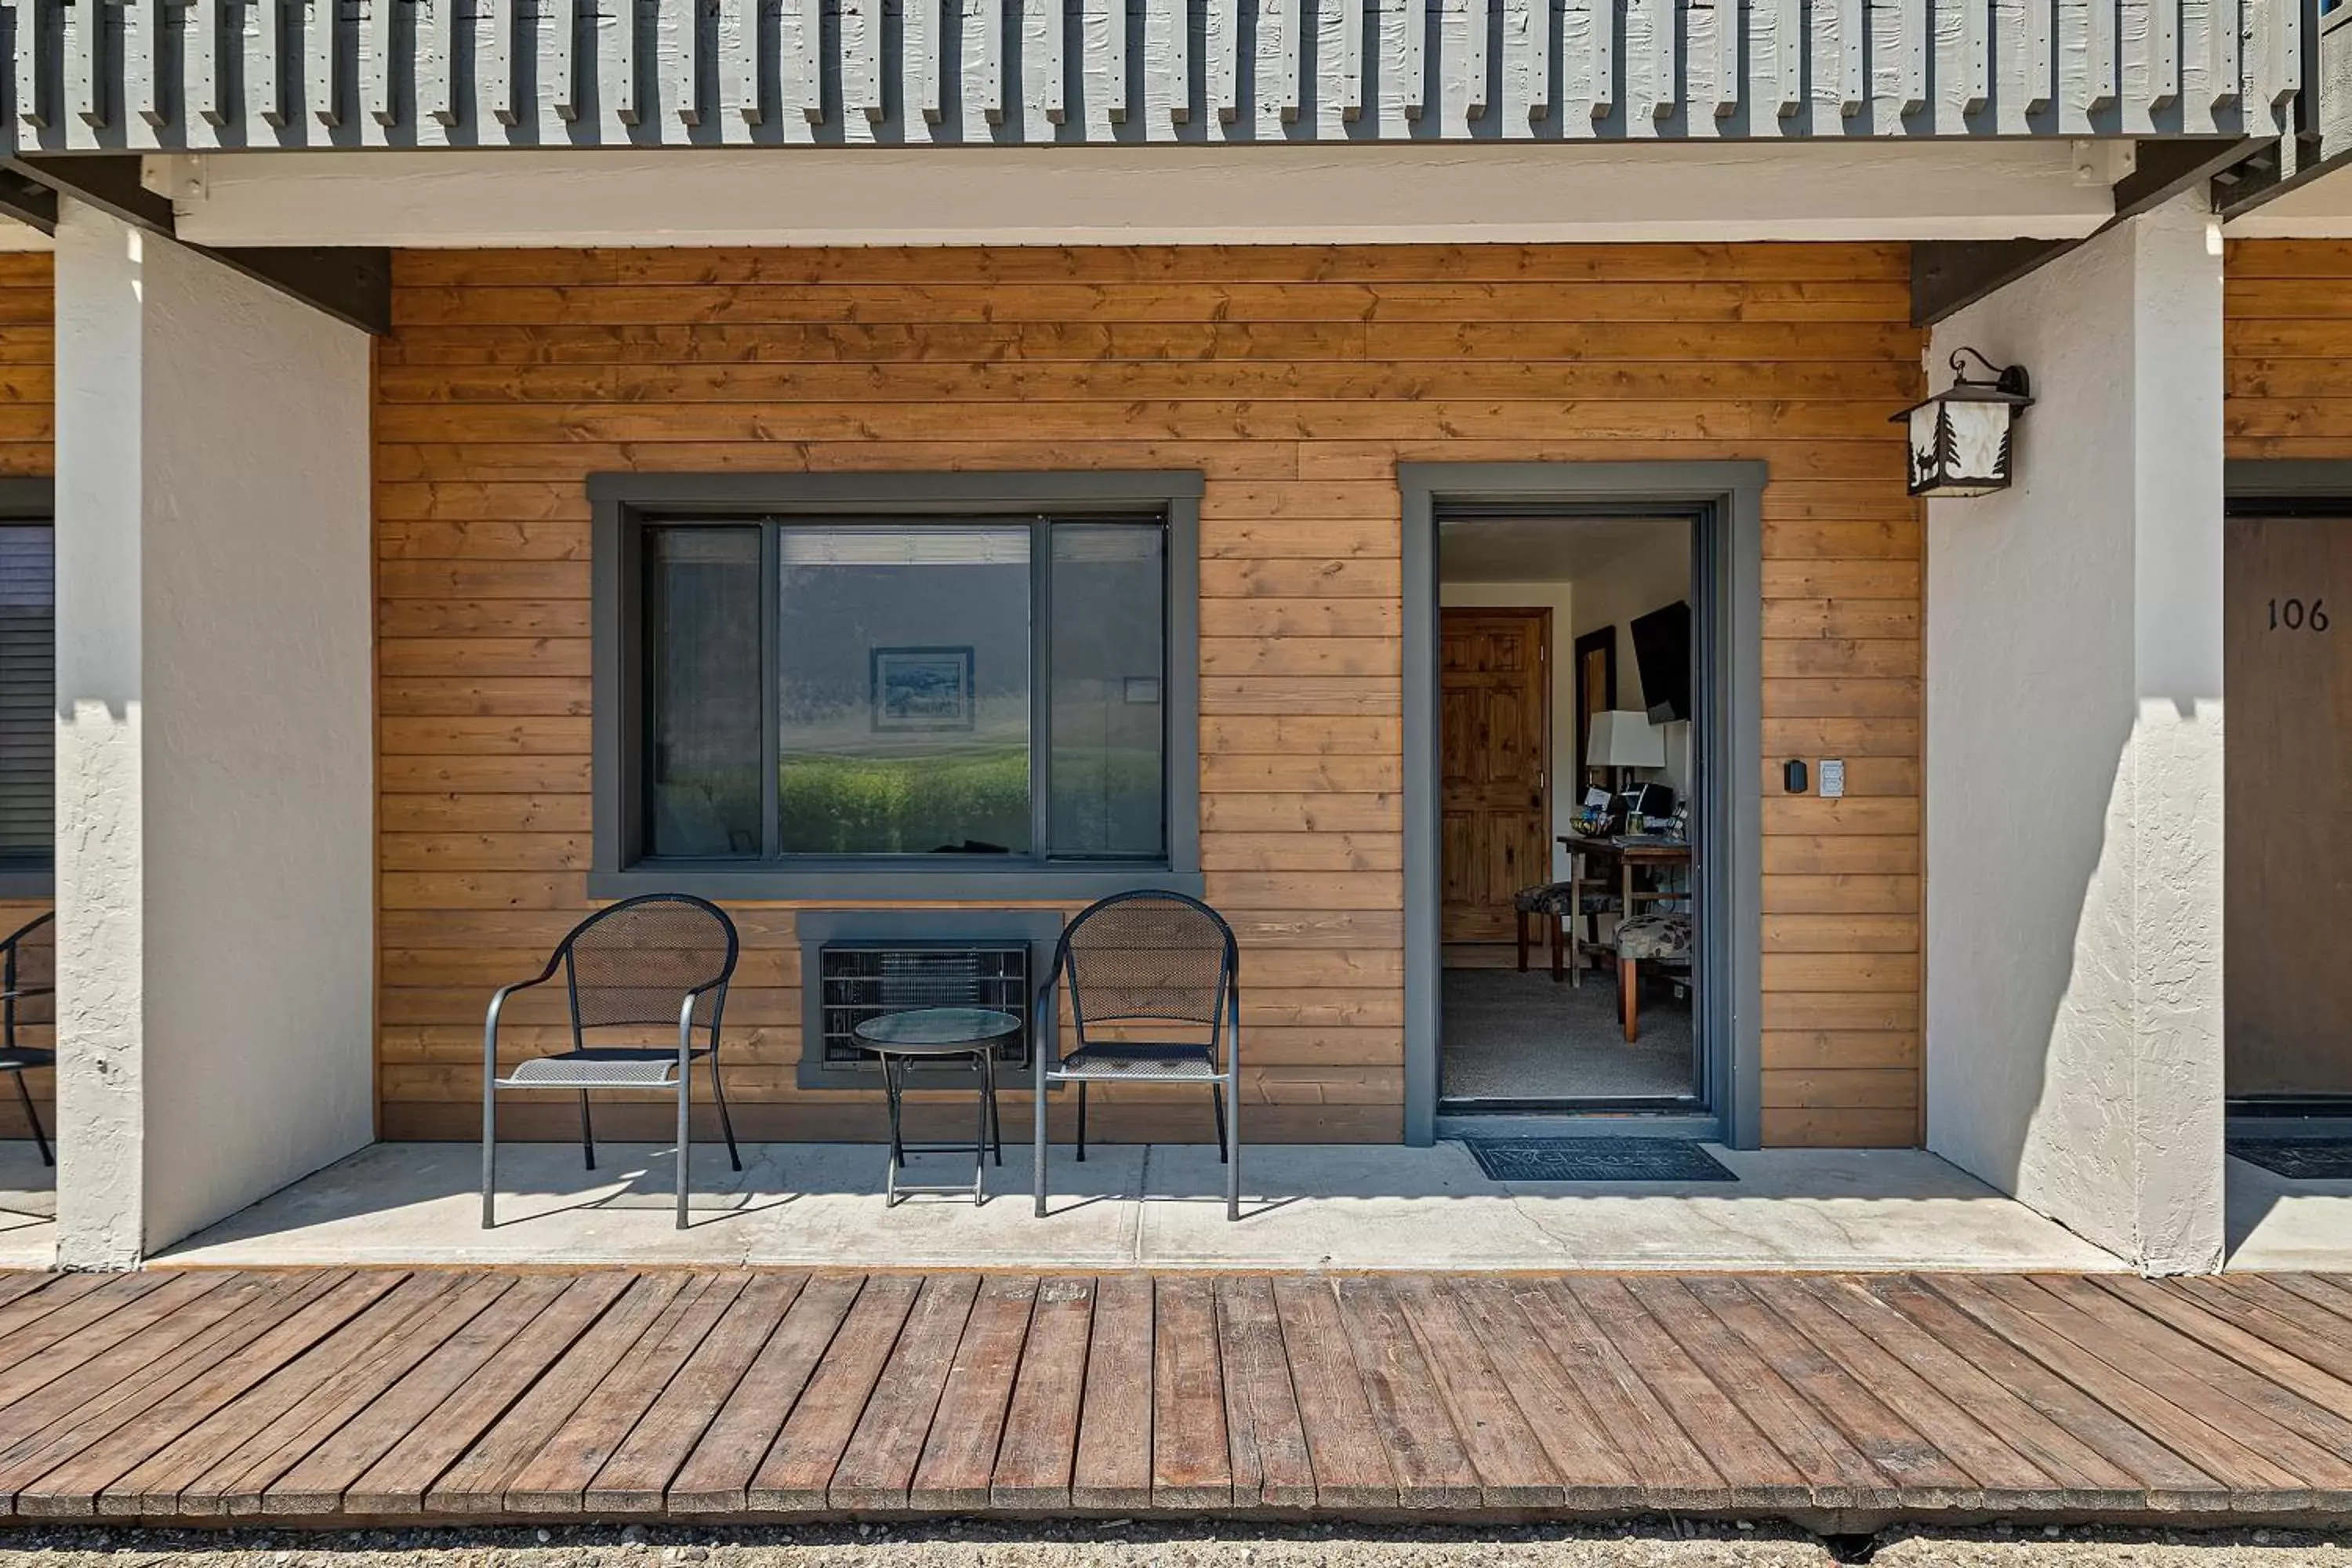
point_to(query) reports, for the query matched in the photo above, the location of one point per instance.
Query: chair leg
(1217, 1104)
(489, 1154)
(684, 1134)
(898, 1139)
(1082, 1121)
(1037, 1155)
(980, 1132)
(1628, 999)
(1521, 918)
(587, 1133)
(1576, 949)
(1233, 1152)
(33, 1118)
(726, 1123)
(995, 1117)
(1558, 973)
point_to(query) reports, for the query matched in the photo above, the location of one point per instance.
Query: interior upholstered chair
(1649, 939)
(28, 990)
(1155, 997)
(662, 959)
(1563, 906)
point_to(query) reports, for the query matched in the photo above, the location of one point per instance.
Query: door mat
(2298, 1159)
(1597, 1159)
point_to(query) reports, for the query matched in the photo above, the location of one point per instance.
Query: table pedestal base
(988, 1139)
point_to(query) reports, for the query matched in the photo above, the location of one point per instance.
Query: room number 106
(2294, 616)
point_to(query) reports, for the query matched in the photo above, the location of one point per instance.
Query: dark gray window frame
(1727, 499)
(29, 500)
(620, 504)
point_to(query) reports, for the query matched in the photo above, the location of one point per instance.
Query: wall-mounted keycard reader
(1832, 778)
(1792, 777)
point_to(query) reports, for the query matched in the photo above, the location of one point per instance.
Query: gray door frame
(1726, 499)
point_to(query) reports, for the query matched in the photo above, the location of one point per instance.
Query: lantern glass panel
(1925, 468)
(1977, 452)
(1959, 446)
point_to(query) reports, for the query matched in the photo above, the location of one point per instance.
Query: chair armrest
(497, 1004)
(685, 1024)
(499, 997)
(1234, 1033)
(1041, 1013)
(1045, 987)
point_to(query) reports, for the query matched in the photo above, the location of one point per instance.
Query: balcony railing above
(133, 75)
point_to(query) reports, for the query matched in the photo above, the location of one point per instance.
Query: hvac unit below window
(862, 980)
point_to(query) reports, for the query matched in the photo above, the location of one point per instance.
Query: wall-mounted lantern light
(1960, 438)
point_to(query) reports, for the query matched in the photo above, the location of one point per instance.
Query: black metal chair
(28, 990)
(1136, 963)
(649, 961)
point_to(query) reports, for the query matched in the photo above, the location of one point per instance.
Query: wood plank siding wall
(27, 448)
(1297, 379)
(2287, 337)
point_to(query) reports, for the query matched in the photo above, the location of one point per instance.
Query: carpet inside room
(1513, 1036)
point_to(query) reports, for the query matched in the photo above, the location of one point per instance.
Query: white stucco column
(2074, 752)
(214, 719)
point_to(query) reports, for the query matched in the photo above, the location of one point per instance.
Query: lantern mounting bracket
(2009, 379)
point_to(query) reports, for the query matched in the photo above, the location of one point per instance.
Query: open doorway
(1568, 770)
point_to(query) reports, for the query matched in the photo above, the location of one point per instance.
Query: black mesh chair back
(1155, 998)
(28, 1011)
(1150, 958)
(28, 978)
(632, 965)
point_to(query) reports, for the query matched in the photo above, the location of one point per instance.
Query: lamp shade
(1625, 739)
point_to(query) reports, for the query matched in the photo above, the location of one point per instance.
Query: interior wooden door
(1494, 703)
(2287, 848)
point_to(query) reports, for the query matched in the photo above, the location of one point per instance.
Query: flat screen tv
(1662, 652)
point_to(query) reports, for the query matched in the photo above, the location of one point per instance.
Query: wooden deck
(331, 1395)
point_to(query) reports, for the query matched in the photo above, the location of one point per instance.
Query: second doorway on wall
(2288, 901)
(1567, 768)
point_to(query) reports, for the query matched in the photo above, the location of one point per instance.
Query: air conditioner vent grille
(864, 979)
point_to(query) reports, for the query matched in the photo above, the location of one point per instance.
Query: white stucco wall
(2074, 756)
(215, 882)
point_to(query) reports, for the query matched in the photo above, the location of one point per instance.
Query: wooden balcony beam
(351, 283)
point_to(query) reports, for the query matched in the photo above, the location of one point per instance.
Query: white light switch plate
(1832, 778)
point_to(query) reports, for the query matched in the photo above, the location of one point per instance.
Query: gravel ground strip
(1661, 1543)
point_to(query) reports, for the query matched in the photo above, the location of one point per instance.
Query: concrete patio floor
(1353, 1206)
(2276, 1223)
(29, 1207)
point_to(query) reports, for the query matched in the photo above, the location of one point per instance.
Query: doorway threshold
(1491, 1119)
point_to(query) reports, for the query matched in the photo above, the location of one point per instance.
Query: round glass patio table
(940, 1034)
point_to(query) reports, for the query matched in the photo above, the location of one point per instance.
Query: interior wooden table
(1630, 852)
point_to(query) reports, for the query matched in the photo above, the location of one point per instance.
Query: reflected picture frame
(923, 689)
